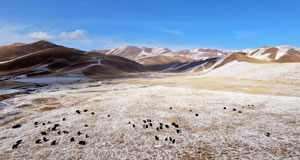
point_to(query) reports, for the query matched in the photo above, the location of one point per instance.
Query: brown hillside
(52, 59)
(20, 49)
(64, 61)
(61, 54)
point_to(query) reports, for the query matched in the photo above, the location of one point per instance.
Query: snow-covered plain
(214, 134)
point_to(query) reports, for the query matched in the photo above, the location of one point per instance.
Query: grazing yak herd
(58, 129)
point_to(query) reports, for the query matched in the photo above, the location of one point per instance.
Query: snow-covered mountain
(277, 54)
(137, 53)
(165, 60)
(269, 53)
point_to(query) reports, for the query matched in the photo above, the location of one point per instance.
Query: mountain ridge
(165, 60)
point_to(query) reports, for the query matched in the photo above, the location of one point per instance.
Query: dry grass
(10, 121)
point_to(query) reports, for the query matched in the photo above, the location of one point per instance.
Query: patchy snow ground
(214, 134)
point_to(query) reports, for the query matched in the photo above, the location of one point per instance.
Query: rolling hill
(62, 61)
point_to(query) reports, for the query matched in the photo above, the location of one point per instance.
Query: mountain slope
(43, 62)
(63, 61)
(20, 49)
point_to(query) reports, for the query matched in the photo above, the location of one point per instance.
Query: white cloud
(171, 31)
(245, 34)
(10, 33)
(77, 34)
(40, 36)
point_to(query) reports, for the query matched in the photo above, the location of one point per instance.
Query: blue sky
(177, 24)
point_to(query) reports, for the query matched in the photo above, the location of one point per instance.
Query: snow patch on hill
(261, 54)
(281, 72)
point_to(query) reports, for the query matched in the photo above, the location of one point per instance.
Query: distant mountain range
(202, 59)
(43, 58)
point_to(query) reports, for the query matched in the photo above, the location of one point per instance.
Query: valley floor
(216, 133)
